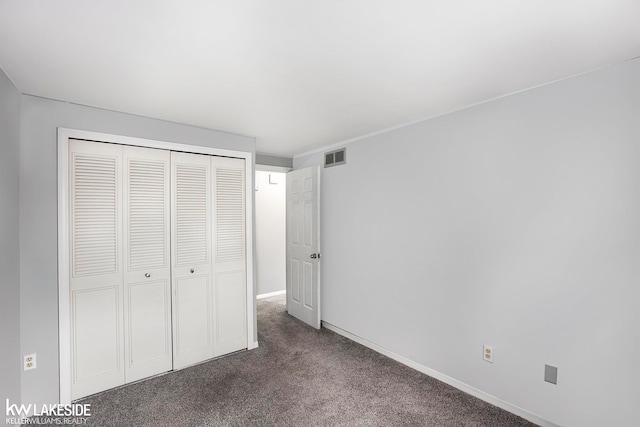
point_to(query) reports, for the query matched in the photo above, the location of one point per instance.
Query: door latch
(314, 256)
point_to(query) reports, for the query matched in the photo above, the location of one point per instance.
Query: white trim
(444, 378)
(64, 320)
(271, 294)
(249, 219)
(150, 143)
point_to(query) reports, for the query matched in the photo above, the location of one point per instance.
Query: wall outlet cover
(29, 362)
(487, 353)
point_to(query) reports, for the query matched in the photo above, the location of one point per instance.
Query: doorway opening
(271, 222)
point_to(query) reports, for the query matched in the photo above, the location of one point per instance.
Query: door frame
(64, 318)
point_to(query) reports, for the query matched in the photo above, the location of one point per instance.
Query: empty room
(320, 213)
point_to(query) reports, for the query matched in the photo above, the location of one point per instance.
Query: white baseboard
(444, 378)
(252, 345)
(270, 294)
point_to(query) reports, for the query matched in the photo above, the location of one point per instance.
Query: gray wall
(10, 360)
(515, 224)
(271, 229)
(267, 160)
(38, 213)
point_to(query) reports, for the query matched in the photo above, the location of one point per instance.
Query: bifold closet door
(96, 279)
(147, 265)
(157, 262)
(229, 258)
(120, 266)
(229, 266)
(191, 259)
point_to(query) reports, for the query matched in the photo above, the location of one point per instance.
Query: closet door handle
(147, 275)
(192, 270)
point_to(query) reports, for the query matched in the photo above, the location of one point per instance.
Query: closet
(157, 250)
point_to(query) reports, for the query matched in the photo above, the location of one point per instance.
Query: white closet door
(229, 266)
(97, 340)
(191, 258)
(147, 279)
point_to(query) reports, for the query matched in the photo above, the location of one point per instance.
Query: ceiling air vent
(335, 158)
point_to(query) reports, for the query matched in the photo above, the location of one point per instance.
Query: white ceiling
(300, 74)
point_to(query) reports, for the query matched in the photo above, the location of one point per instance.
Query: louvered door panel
(229, 194)
(148, 215)
(229, 268)
(148, 345)
(97, 341)
(191, 258)
(192, 195)
(95, 214)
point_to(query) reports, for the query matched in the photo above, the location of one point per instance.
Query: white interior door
(96, 280)
(147, 265)
(303, 245)
(191, 259)
(229, 255)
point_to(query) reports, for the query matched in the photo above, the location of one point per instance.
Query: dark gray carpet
(297, 377)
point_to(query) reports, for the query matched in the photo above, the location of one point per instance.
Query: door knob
(314, 256)
(192, 270)
(147, 275)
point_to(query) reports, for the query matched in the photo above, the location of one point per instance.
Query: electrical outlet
(30, 362)
(487, 353)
